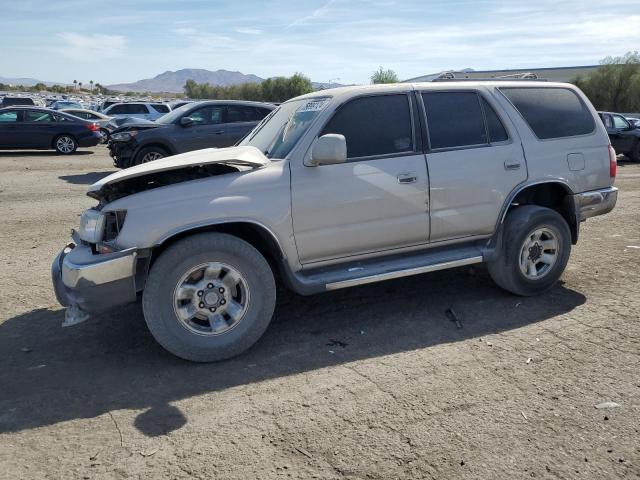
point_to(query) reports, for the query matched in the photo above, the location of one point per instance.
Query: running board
(351, 274)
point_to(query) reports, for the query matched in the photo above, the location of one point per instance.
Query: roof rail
(451, 77)
(494, 79)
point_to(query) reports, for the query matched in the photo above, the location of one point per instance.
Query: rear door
(39, 127)
(474, 162)
(239, 121)
(10, 135)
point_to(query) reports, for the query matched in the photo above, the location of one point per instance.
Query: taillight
(613, 162)
(92, 126)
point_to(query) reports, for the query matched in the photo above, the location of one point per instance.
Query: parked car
(62, 104)
(146, 111)
(102, 120)
(196, 125)
(45, 129)
(10, 101)
(339, 188)
(624, 136)
(106, 104)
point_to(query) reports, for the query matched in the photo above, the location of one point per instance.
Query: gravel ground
(368, 382)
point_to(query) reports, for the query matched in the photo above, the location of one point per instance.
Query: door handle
(405, 178)
(511, 165)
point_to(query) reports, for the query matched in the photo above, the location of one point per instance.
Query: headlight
(123, 136)
(91, 226)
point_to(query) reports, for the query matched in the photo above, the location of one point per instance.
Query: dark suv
(197, 125)
(624, 136)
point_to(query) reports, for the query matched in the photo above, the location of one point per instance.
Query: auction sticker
(313, 106)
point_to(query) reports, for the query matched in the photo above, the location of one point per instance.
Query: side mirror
(329, 149)
(186, 121)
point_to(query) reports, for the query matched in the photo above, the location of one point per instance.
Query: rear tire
(105, 135)
(536, 246)
(65, 144)
(194, 311)
(149, 154)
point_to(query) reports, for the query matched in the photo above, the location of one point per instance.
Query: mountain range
(174, 81)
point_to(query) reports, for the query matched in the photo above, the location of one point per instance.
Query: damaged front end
(94, 273)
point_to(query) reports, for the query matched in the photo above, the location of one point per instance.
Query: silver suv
(339, 188)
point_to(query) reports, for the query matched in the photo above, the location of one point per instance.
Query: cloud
(91, 47)
(249, 31)
(318, 13)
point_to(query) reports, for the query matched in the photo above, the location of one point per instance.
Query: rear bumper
(90, 140)
(595, 202)
(94, 282)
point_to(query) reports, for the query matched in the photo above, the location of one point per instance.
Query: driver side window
(207, 116)
(620, 123)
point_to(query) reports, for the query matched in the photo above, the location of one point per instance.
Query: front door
(375, 201)
(206, 131)
(621, 134)
(10, 135)
(474, 163)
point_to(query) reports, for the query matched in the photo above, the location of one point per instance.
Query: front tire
(65, 144)
(536, 246)
(209, 297)
(149, 154)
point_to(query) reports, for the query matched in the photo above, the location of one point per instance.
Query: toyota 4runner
(339, 188)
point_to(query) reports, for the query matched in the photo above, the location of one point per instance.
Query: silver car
(339, 188)
(146, 111)
(99, 118)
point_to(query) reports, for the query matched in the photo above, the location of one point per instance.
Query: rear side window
(372, 126)
(37, 116)
(160, 107)
(496, 130)
(454, 119)
(551, 112)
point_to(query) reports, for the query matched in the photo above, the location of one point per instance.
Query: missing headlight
(114, 221)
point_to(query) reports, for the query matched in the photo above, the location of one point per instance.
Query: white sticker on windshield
(313, 106)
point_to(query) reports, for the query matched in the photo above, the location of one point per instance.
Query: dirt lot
(369, 382)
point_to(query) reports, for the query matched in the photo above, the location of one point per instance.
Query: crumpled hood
(240, 156)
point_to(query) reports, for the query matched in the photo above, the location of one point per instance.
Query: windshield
(174, 115)
(277, 134)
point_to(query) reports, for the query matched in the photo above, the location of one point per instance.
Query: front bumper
(595, 202)
(94, 282)
(121, 152)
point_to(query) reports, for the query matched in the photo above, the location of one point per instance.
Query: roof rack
(451, 77)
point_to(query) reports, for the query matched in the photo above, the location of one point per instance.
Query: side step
(350, 274)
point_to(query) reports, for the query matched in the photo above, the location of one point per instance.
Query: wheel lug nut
(201, 305)
(212, 309)
(200, 293)
(221, 290)
(210, 285)
(223, 301)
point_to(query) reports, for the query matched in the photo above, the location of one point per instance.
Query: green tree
(615, 85)
(384, 76)
(277, 89)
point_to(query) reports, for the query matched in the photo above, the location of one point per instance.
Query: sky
(327, 40)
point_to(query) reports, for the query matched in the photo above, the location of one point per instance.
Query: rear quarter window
(551, 112)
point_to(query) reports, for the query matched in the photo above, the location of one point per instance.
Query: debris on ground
(336, 343)
(303, 451)
(529, 360)
(607, 405)
(149, 453)
(451, 315)
(26, 349)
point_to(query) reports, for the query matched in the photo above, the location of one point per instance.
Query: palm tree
(75, 84)
(91, 83)
(80, 85)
